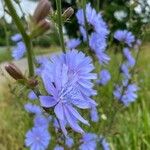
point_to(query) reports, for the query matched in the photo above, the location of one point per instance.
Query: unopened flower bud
(43, 26)
(14, 71)
(42, 10)
(68, 13)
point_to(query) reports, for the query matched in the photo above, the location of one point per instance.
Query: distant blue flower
(93, 18)
(57, 147)
(31, 108)
(97, 42)
(117, 92)
(37, 138)
(89, 140)
(32, 95)
(19, 51)
(125, 70)
(94, 114)
(41, 121)
(68, 81)
(129, 57)
(73, 43)
(104, 77)
(16, 37)
(69, 142)
(97, 39)
(104, 144)
(124, 36)
(128, 95)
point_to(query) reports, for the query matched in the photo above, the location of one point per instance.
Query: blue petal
(47, 101)
(59, 111)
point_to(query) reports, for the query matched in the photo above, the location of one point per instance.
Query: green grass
(131, 129)
(4, 54)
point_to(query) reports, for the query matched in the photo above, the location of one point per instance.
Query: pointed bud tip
(43, 8)
(68, 13)
(14, 71)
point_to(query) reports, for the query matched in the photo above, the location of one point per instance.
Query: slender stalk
(60, 25)
(97, 5)
(25, 37)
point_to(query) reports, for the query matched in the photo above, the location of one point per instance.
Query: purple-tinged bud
(43, 26)
(68, 13)
(42, 10)
(14, 71)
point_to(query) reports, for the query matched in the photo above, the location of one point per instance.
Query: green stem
(25, 37)
(60, 26)
(97, 5)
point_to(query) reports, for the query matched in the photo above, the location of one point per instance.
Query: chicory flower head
(104, 76)
(69, 142)
(68, 82)
(17, 37)
(104, 143)
(20, 49)
(32, 108)
(124, 36)
(93, 18)
(89, 140)
(126, 94)
(37, 138)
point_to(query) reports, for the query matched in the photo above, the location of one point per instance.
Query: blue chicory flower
(68, 81)
(19, 51)
(126, 94)
(104, 144)
(124, 36)
(17, 37)
(31, 108)
(93, 18)
(69, 142)
(37, 138)
(104, 76)
(89, 140)
(94, 114)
